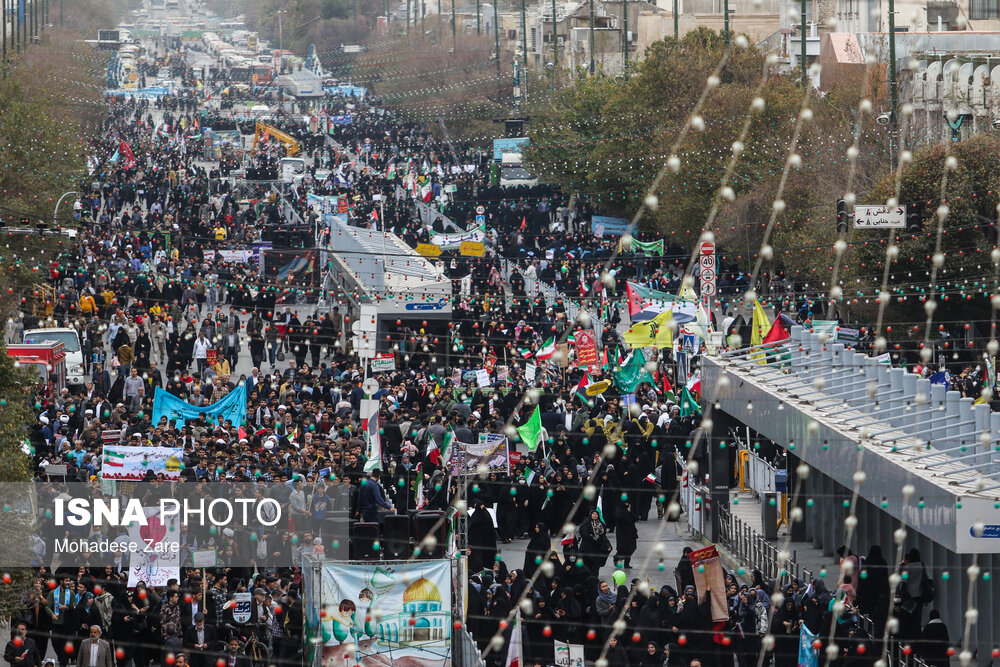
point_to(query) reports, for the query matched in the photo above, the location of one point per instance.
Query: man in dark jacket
(172, 644)
(21, 650)
(199, 640)
(370, 498)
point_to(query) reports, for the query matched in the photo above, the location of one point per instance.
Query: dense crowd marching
(156, 309)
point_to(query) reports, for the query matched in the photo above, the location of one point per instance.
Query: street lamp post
(496, 33)
(591, 37)
(624, 34)
(524, 38)
(802, 38)
(55, 214)
(893, 91)
(555, 40)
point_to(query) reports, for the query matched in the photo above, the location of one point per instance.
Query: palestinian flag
(114, 459)
(547, 350)
(668, 390)
(581, 388)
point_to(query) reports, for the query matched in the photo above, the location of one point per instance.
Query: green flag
(652, 248)
(689, 406)
(531, 432)
(633, 373)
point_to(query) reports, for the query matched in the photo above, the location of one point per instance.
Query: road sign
(480, 210)
(371, 385)
(707, 273)
(480, 219)
(879, 217)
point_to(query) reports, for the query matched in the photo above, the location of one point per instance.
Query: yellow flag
(641, 334)
(687, 292)
(664, 329)
(759, 328)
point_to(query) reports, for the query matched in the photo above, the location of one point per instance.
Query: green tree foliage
(966, 279)
(608, 138)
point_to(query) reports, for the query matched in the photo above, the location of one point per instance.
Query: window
(984, 9)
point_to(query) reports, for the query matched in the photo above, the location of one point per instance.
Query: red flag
(779, 330)
(128, 157)
(524, 223)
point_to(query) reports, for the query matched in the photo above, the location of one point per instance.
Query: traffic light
(914, 217)
(841, 216)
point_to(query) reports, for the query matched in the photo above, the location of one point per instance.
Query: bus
(263, 74)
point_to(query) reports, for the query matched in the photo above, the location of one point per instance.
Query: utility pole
(624, 35)
(3, 22)
(802, 41)
(725, 11)
(454, 44)
(592, 37)
(477, 18)
(524, 39)
(555, 40)
(496, 34)
(893, 92)
(675, 19)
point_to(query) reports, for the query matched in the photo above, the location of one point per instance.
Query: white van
(292, 167)
(76, 376)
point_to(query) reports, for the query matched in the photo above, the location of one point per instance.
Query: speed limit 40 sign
(707, 273)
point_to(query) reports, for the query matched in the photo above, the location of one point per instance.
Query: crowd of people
(160, 307)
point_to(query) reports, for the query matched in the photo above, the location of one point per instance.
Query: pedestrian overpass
(917, 454)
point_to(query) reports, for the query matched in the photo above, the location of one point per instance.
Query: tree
(965, 280)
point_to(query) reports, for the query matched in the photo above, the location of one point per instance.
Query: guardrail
(464, 652)
(755, 474)
(750, 548)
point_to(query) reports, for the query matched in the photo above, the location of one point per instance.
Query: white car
(76, 375)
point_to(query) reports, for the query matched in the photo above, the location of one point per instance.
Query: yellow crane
(291, 144)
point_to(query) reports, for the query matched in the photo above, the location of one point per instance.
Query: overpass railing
(933, 426)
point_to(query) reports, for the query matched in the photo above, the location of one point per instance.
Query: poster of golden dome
(384, 613)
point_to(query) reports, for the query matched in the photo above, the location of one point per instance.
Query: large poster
(491, 451)
(152, 562)
(393, 613)
(708, 574)
(132, 463)
(232, 407)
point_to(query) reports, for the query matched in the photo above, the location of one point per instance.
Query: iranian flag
(114, 459)
(433, 451)
(426, 192)
(526, 352)
(418, 487)
(514, 649)
(390, 171)
(547, 350)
